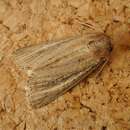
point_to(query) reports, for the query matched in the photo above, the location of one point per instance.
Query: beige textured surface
(95, 104)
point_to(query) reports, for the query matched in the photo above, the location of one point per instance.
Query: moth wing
(29, 57)
(42, 90)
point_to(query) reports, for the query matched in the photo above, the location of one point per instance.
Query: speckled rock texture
(101, 103)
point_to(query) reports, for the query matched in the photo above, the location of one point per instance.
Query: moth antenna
(90, 25)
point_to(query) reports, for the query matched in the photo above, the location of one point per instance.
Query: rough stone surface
(95, 104)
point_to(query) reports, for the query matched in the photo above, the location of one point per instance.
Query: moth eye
(91, 44)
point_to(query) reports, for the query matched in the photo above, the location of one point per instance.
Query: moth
(55, 67)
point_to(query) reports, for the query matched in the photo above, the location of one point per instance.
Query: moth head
(102, 46)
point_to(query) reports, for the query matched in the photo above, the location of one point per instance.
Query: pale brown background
(97, 103)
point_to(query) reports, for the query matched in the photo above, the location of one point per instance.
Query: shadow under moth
(55, 67)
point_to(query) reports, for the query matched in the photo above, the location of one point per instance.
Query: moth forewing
(28, 57)
(59, 66)
(40, 96)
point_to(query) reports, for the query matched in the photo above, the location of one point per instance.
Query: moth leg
(101, 68)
